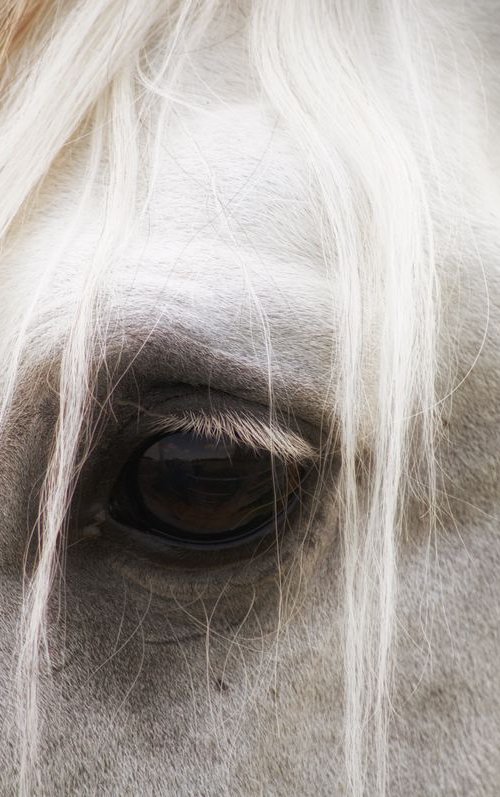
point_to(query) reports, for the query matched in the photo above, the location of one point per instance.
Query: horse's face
(221, 671)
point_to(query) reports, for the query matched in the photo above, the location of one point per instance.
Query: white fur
(307, 189)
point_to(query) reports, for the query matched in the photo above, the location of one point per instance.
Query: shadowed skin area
(172, 679)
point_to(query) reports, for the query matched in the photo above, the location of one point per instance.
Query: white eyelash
(240, 428)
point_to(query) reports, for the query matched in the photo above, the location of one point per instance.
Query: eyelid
(236, 426)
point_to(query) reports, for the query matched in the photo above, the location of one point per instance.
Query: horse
(249, 408)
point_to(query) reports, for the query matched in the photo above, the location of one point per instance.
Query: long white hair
(335, 71)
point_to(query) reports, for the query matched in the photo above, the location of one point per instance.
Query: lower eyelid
(175, 575)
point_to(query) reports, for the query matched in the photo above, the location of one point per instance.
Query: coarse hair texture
(71, 66)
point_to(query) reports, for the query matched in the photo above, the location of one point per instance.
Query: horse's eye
(195, 492)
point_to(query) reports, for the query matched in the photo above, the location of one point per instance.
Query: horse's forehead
(230, 179)
(232, 149)
(228, 176)
(228, 232)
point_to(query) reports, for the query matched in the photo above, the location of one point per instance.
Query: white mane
(354, 84)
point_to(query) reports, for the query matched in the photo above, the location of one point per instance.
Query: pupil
(199, 492)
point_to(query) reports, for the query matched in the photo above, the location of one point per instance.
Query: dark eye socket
(200, 493)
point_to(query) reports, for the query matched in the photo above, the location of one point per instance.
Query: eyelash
(239, 427)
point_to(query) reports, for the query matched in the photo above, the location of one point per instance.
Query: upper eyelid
(237, 426)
